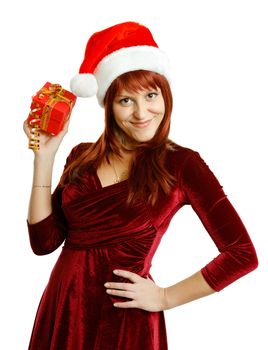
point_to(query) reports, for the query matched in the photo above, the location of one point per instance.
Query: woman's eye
(152, 95)
(125, 101)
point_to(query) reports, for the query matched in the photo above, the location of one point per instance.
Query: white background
(218, 53)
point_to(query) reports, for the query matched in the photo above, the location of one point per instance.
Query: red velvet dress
(100, 234)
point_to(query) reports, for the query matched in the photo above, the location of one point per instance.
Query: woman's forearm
(189, 289)
(40, 200)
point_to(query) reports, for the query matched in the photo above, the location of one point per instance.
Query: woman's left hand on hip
(145, 294)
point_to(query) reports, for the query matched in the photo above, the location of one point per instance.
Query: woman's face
(139, 114)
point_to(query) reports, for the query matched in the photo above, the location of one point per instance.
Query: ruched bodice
(101, 233)
(102, 218)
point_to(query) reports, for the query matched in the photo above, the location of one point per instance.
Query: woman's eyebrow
(124, 95)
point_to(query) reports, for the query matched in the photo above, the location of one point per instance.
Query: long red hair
(148, 173)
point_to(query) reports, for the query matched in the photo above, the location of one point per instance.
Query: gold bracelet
(42, 186)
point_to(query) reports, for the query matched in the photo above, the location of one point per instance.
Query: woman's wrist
(42, 175)
(165, 304)
(44, 157)
(168, 299)
(44, 165)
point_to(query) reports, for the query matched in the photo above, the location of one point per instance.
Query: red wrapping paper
(51, 107)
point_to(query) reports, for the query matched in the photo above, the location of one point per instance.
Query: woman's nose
(140, 110)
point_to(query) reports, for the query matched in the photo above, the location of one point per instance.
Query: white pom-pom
(84, 85)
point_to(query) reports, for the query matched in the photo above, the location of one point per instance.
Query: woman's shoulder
(82, 146)
(184, 159)
(78, 149)
(180, 152)
(190, 164)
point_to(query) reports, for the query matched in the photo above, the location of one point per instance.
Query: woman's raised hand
(48, 144)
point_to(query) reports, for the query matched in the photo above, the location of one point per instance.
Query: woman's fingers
(32, 134)
(121, 293)
(122, 286)
(127, 304)
(26, 128)
(133, 277)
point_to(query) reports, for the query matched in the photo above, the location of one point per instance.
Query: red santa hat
(113, 51)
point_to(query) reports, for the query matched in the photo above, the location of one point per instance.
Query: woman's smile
(141, 124)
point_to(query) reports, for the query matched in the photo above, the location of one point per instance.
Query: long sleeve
(48, 234)
(206, 196)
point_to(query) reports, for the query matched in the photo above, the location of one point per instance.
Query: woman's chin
(143, 138)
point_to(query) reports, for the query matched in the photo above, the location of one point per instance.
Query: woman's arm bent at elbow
(46, 222)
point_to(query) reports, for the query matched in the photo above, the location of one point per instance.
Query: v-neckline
(108, 186)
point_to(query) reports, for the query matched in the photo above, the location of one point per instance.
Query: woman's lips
(141, 125)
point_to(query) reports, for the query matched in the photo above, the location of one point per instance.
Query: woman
(114, 202)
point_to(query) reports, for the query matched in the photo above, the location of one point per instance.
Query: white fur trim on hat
(84, 85)
(129, 59)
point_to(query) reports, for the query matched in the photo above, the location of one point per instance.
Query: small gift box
(50, 108)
